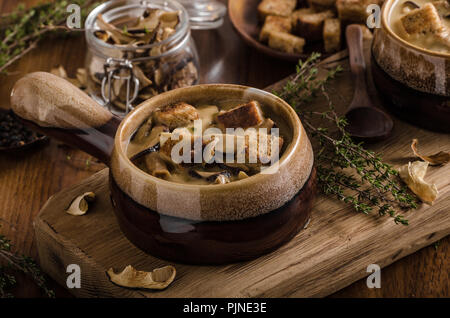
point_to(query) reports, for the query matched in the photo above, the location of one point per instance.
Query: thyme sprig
(345, 169)
(22, 29)
(15, 262)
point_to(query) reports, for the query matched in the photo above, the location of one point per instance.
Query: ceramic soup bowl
(415, 81)
(200, 224)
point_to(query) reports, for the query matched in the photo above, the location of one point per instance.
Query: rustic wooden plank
(27, 180)
(331, 253)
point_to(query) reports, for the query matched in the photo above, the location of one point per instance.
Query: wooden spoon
(365, 120)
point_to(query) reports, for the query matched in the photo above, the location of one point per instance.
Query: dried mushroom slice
(157, 166)
(59, 71)
(159, 278)
(412, 174)
(117, 35)
(82, 77)
(144, 81)
(80, 205)
(242, 175)
(440, 158)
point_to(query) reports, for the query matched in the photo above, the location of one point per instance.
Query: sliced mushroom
(222, 179)
(102, 35)
(144, 81)
(159, 278)
(158, 77)
(59, 71)
(147, 143)
(242, 175)
(156, 166)
(412, 4)
(149, 21)
(169, 19)
(82, 76)
(211, 176)
(80, 205)
(147, 93)
(413, 175)
(440, 158)
(143, 131)
(114, 32)
(236, 167)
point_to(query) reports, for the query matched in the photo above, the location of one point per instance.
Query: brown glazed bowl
(415, 82)
(199, 224)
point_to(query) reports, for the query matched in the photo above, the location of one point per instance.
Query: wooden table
(28, 180)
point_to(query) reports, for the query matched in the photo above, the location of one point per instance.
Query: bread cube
(286, 42)
(354, 11)
(276, 7)
(332, 35)
(274, 23)
(308, 23)
(243, 116)
(423, 20)
(322, 5)
(177, 115)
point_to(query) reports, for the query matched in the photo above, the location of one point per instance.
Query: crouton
(258, 146)
(274, 23)
(322, 5)
(276, 7)
(243, 116)
(286, 42)
(177, 115)
(354, 11)
(423, 20)
(308, 23)
(332, 35)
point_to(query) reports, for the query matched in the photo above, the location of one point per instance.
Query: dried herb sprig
(15, 262)
(345, 169)
(22, 29)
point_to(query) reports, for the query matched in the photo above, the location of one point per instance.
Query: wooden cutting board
(331, 253)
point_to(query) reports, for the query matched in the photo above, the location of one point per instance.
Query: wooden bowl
(244, 17)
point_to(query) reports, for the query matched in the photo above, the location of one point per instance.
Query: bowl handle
(55, 107)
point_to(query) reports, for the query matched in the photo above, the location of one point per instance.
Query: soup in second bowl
(206, 144)
(423, 23)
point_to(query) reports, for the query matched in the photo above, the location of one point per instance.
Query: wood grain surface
(331, 253)
(29, 179)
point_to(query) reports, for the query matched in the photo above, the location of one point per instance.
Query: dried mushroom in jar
(158, 63)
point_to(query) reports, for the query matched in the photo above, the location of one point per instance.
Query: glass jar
(122, 76)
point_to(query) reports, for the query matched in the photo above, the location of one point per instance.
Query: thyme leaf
(345, 169)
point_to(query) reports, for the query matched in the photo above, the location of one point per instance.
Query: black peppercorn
(13, 133)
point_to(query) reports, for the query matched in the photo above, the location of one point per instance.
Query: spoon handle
(354, 37)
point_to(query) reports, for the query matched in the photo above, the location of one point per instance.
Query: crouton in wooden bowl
(293, 29)
(411, 61)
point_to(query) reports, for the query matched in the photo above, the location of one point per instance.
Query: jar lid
(204, 14)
